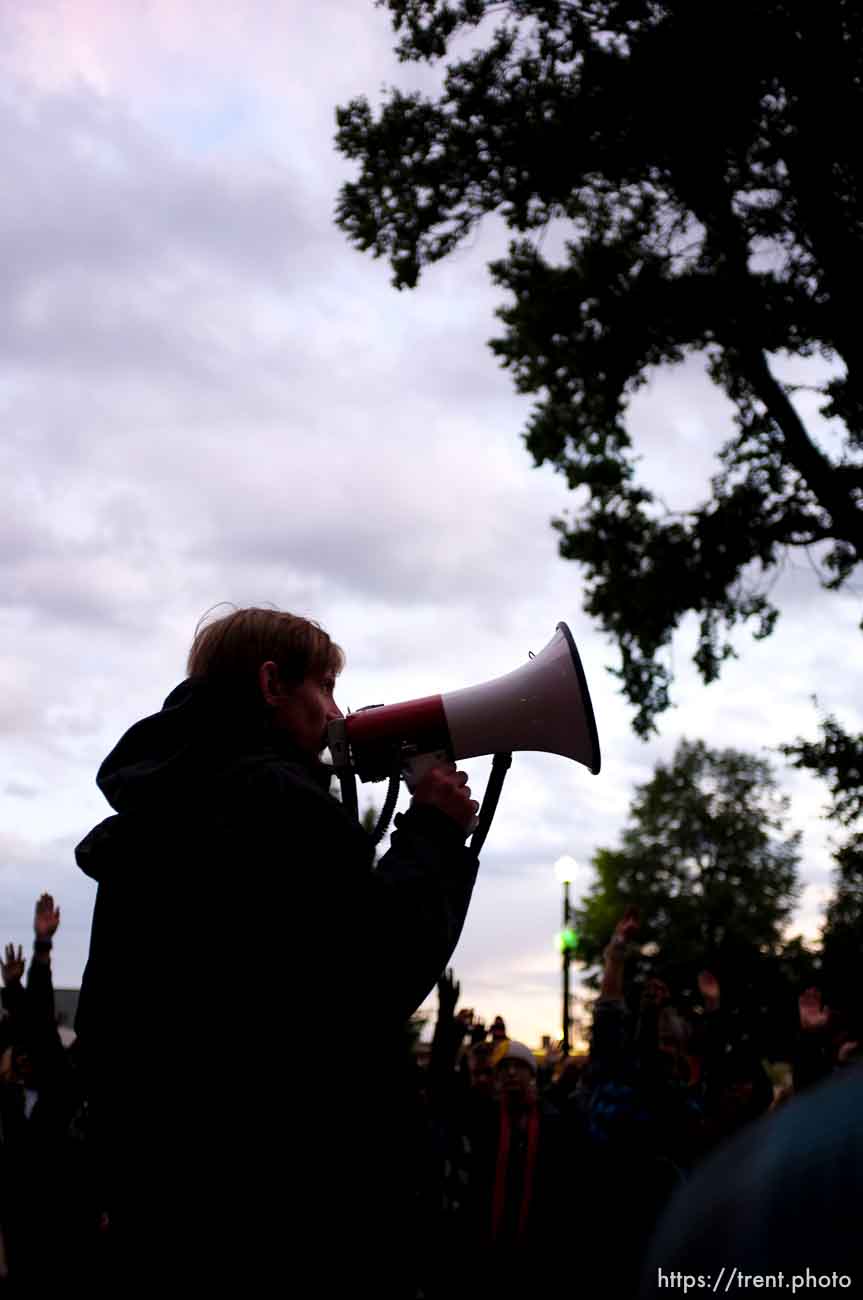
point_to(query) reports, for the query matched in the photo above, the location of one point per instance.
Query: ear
(270, 682)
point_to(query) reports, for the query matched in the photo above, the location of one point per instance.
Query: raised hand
(614, 956)
(812, 1014)
(46, 917)
(13, 967)
(554, 1055)
(628, 926)
(448, 992)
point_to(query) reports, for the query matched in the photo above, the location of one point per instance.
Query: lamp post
(564, 869)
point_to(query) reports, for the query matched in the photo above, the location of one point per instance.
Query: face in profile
(303, 712)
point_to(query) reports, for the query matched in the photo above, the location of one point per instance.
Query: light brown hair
(232, 648)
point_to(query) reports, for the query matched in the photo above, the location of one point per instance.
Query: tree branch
(820, 475)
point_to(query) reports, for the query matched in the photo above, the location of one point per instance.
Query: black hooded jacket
(250, 969)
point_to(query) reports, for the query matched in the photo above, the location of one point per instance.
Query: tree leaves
(707, 858)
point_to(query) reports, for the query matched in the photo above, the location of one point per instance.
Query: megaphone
(543, 705)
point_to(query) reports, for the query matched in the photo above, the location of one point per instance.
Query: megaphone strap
(391, 800)
(500, 765)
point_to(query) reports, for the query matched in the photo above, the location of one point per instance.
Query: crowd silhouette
(512, 1159)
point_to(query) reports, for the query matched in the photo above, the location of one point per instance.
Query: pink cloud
(159, 48)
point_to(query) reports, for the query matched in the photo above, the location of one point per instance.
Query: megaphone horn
(543, 705)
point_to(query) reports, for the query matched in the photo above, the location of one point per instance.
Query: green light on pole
(567, 940)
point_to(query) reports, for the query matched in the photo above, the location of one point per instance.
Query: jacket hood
(173, 759)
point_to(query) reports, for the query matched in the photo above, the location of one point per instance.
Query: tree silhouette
(707, 167)
(707, 859)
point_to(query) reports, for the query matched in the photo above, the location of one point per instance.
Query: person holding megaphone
(238, 915)
(240, 921)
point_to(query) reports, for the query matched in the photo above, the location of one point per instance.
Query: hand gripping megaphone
(543, 705)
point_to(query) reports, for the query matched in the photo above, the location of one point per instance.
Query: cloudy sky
(208, 395)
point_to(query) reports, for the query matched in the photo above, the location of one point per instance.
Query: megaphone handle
(348, 783)
(414, 769)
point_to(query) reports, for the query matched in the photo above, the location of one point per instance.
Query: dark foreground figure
(784, 1198)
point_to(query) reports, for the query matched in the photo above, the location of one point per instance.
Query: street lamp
(565, 869)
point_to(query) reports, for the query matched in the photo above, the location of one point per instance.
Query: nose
(334, 712)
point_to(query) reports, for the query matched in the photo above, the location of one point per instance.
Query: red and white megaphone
(543, 705)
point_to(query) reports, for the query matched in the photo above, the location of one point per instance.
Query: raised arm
(40, 989)
(449, 1032)
(614, 957)
(608, 1039)
(46, 1044)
